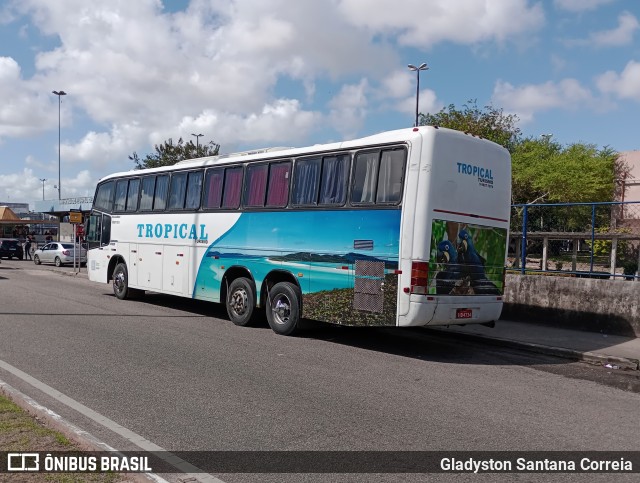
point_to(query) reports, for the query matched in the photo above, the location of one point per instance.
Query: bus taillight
(419, 277)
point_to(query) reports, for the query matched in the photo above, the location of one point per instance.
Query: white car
(59, 254)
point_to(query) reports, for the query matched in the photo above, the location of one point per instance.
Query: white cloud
(625, 85)
(349, 108)
(622, 35)
(528, 99)
(423, 24)
(580, 5)
(25, 185)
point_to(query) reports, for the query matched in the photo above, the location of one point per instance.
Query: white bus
(403, 228)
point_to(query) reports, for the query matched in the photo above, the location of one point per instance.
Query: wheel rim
(239, 302)
(119, 282)
(281, 308)
(57, 262)
(36, 259)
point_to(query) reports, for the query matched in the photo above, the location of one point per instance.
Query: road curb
(588, 357)
(84, 440)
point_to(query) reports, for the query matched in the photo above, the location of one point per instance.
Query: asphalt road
(182, 376)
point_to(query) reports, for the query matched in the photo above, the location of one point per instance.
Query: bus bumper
(445, 311)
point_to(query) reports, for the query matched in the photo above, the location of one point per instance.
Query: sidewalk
(592, 347)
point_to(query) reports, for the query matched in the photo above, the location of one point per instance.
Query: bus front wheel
(241, 301)
(121, 287)
(283, 312)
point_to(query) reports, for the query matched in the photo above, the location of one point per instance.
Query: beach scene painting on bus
(325, 251)
(466, 259)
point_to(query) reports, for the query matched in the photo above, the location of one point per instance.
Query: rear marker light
(420, 278)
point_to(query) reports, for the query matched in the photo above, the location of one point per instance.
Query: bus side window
(178, 191)
(194, 190)
(365, 178)
(132, 195)
(212, 196)
(94, 229)
(232, 188)
(278, 189)
(333, 185)
(147, 192)
(390, 176)
(256, 185)
(306, 181)
(121, 195)
(160, 196)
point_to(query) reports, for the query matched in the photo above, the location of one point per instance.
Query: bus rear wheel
(241, 301)
(283, 312)
(121, 287)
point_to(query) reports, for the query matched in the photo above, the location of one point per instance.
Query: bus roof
(386, 137)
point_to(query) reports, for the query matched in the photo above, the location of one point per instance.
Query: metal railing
(597, 240)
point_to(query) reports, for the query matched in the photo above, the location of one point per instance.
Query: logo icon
(23, 462)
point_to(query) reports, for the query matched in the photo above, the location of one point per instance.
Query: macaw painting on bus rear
(466, 259)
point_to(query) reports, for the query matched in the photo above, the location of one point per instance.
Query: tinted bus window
(178, 190)
(132, 195)
(146, 195)
(390, 176)
(194, 190)
(160, 196)
(306, 181)
(333, 185)
(278, 189)
(213, 188)
(256, 185)
(104, 197)
(365, 178)
(232, 188)
(121, 195)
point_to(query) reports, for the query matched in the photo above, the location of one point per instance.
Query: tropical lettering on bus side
(183, 231)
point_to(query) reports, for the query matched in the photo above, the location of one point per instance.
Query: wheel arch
(274, 277)
(233, 272)
(112, 265)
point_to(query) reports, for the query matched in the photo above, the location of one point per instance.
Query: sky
(256, 73)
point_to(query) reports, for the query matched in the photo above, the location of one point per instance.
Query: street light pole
(197, 136)
(412, 67)
(43, 180)
(59, 94)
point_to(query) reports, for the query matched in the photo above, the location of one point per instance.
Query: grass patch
(19, 431)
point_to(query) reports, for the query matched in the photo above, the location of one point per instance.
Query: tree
(168, 154)
(547, 171)
(489, 123)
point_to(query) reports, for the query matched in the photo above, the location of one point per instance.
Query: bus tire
(241, 303)
(121, 287)
(283, 310)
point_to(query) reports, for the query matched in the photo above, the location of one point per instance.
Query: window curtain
(232, 188)
(333, 180)
(132, 196)
(256, 185)
(278, 192)
(178, 190)
(367, 172)
(307, 174)
(390, 176)
(162, 188)
(194, 190)
(146, 197)
(213, 188)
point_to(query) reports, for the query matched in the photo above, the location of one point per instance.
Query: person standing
(27, 248)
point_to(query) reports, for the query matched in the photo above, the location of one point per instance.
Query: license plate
(463, 313)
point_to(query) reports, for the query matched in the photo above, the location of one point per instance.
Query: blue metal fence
(576, 239)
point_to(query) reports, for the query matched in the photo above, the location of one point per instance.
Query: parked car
(10, 248)
(59, 254)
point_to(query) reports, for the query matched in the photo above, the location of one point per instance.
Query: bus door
(98, 237)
